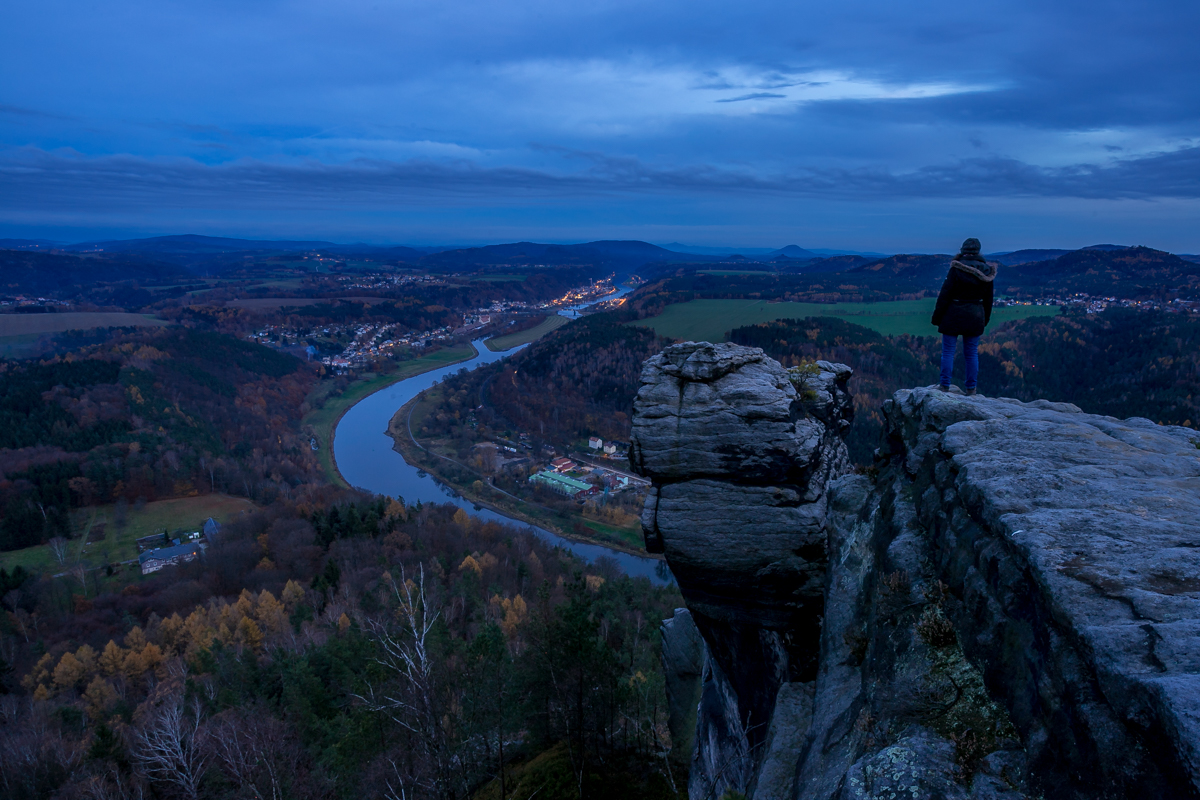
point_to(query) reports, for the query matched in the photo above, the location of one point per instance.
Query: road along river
(365, 458)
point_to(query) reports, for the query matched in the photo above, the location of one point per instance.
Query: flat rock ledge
(1071, 544)
(1005, 607)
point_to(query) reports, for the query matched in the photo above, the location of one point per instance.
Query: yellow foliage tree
(40, 672)
(100, 698)
(594, 582)
(245, 603)
(270, 613)
(293, 593)
(197, 630)
(461, 518)
(469, 563)
(87, 657)
(135, 639)
(395, 510)
(173, 634)
(343, 623)
(249, 634)
(515, 612)
(112, 660)
(69, 672)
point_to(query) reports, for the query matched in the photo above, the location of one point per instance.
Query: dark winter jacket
(964, 306)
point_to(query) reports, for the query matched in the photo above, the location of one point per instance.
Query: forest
(576, 382)
(1121, 363)
(336, 646)
(145, 415)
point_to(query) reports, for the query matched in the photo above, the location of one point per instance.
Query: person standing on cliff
(964, 308)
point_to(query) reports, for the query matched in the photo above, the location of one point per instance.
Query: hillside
(32, 272)
(1133, 272)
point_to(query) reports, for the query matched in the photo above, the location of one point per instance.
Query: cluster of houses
(608, 448)
(160, 550)
(581, 481)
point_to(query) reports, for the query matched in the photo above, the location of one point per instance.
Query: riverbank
(501, 344)
(474, 488)
(323, 421)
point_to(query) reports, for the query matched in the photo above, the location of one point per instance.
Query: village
(369, 343)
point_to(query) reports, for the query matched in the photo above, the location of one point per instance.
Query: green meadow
(712, 320)
(502, 343)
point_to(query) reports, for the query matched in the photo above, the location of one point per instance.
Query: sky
(862, 124)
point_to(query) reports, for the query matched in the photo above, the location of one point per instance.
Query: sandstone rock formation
(739, 456)
(1006, 606)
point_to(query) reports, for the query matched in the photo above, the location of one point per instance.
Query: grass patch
(26, 324)
(712, 320)
(118, 544)
(499, 278)
(551, 323)
(323, 421)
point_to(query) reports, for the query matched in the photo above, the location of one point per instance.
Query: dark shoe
(969, 392)
(943, 387)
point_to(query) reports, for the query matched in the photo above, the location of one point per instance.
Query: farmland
(118, 541)
(551, 323)
(711, 320)
(36, 324)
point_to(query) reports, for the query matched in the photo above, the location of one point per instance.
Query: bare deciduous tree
(411, 698)
(171, 747)
(257, 754)
(32, 748)
(58, 546)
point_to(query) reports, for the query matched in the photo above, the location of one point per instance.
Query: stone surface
(729, 412)
(739, 456)
(683, 666)
(1071, 543)
(1006, 607)
(790, 724)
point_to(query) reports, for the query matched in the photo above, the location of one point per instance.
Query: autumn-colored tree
(69, 672)
(112, 660)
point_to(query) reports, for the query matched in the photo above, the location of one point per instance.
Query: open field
(498, 278)
(183, 513)
(36, 324)
(322, 421)
(712, 320)
(281, 302)
(550, 323)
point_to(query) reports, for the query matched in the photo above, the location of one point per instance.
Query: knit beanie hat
(970, 247)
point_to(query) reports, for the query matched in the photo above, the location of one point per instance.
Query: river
(366, 460)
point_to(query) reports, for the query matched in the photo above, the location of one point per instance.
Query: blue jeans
(970, 355)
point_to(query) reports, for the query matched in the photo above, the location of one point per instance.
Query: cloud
(754, 96)
(31, 179)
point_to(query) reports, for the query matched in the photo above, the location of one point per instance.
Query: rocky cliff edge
(1006, 606)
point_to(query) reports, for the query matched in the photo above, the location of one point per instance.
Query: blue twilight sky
(860, 124)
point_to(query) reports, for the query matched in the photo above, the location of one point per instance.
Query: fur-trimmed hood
(979, 268)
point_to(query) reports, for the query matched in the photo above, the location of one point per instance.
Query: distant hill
(903, 273)
(793, 251)
(831, 264)
(1134, 272)
(608, 254)
(1025, 256)
(26, 244)
(192, 244)
(29, 272)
